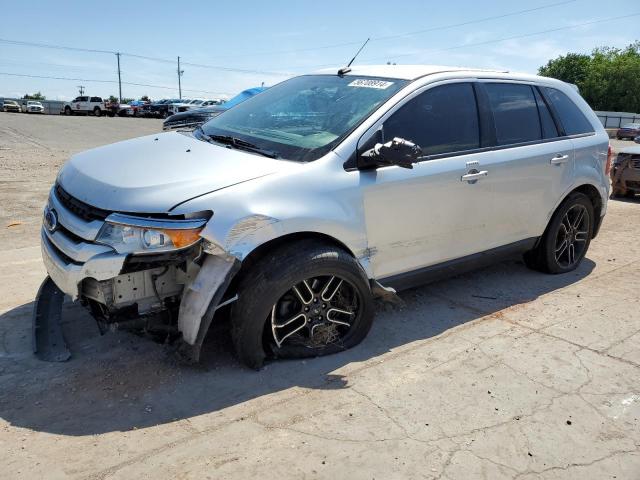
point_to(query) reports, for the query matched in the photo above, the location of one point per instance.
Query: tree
(145, 98)
(608, 79)
(112, 99)
(34, 96)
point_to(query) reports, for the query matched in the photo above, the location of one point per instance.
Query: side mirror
(398, 151)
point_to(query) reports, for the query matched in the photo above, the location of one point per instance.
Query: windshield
(303, 118)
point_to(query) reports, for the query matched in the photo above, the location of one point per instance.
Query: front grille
(78, 208)
(635, 163)
(632, 184)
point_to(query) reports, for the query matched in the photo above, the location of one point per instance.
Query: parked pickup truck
(291, 211)
(85, 105)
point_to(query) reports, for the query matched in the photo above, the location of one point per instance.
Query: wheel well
(596, 200)
(262, 250)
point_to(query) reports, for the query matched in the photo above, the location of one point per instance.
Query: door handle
(559, 159)
(472, 177)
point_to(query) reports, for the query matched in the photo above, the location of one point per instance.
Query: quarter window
(443, 119)
(549, 129)
(515, 113)
(573, 120)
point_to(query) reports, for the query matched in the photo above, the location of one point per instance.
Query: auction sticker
(370, 83)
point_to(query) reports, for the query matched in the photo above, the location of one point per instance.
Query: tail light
(607, 166)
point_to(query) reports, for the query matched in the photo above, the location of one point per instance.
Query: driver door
(430, 214)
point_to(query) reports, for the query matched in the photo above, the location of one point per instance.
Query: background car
(159, 108)
(630, 131)
(195, 117)
(625, 173)
(11, 106)
(34, 107)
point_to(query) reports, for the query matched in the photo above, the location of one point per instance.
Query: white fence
(617, 119)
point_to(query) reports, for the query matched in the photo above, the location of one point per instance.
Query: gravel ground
(501, 374)
(32, 150)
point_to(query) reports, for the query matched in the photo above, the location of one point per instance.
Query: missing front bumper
(49, 344)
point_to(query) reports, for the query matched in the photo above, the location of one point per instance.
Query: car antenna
(347, 69)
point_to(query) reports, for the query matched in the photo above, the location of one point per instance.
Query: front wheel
(302, 300)
(67, 111)
(567, 237)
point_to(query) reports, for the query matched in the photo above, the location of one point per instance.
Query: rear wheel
(303, 300)
(566, 239)
(97, 112)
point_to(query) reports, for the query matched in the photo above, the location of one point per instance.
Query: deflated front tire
(306, 299)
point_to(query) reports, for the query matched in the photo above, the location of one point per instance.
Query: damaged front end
(129, 271)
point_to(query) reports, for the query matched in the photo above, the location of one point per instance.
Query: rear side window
(515, 113)
(573, 120)
(441, 120)
(549, 129)
(96, 99)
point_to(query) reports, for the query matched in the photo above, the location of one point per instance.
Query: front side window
(303, 118)
(573, 120)
(441, 120)
(515, 113)
(83, 99)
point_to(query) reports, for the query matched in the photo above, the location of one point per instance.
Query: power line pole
(119, 79)
(81, 89)
(180, 72)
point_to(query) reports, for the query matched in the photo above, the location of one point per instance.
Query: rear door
(531, 164)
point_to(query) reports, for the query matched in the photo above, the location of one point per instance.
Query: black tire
(97, 112)
(272, 278)
(543, 256)
(630, 194)
(67, 111)
(619, 138)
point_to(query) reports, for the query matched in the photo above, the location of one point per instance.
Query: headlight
(128, 234)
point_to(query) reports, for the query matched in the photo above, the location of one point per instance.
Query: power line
(497, 40)
(105, 81)
(143, 57)
(299, 50)
(399, 35)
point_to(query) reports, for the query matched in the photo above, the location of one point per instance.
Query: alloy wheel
(572, 236)
(315, 313)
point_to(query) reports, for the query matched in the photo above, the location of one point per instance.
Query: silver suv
(290, 212)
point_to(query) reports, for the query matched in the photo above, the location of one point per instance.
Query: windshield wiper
(238, 143)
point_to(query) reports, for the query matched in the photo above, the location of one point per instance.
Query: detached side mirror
(398, 151)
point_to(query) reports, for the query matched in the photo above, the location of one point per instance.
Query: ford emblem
(50, 219)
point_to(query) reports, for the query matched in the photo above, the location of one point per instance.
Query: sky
(245, 44)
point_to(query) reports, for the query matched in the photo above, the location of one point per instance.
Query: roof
(406, 72)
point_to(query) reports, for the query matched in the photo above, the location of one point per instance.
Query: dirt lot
(504, 373)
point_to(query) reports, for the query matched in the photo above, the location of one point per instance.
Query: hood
(152, 174)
